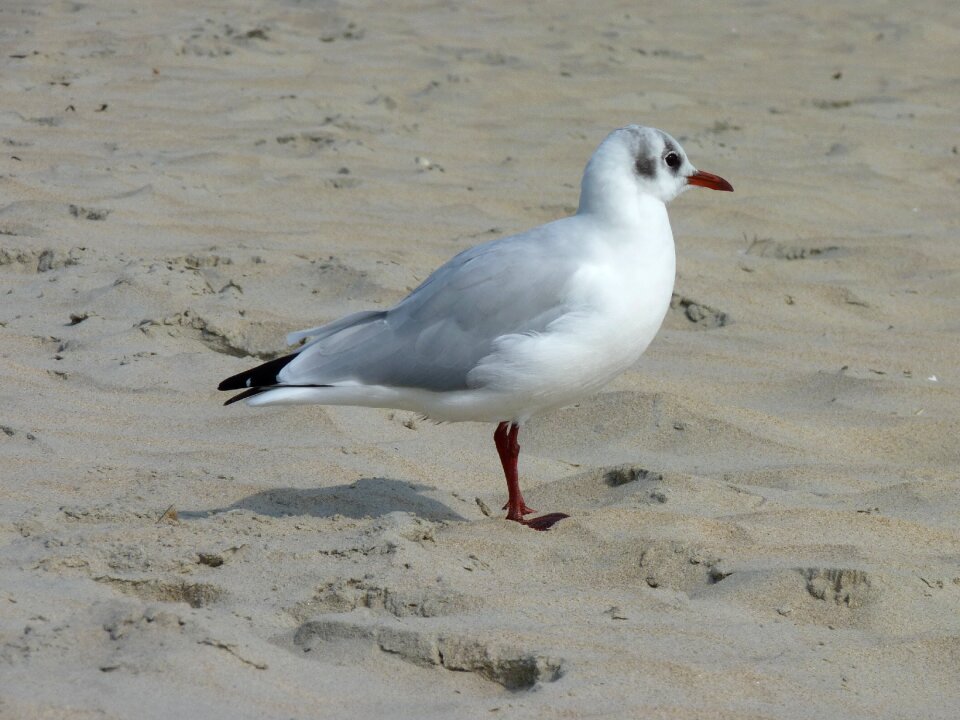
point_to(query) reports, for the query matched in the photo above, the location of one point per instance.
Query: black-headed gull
(516, 326)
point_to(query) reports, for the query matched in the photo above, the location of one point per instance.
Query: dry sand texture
(765, 510)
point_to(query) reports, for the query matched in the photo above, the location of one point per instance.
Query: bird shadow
(367, 497)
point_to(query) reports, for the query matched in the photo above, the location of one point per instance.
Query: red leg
(509, 451)
(508, 448)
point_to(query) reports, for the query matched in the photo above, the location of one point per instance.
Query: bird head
(636, 160)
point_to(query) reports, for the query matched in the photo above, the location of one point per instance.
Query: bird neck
(609, 194)
(621, 206)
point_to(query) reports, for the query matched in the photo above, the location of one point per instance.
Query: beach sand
(764, 510)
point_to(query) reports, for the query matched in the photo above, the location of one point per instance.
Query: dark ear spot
(646, 167)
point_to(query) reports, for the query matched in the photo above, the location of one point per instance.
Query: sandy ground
(765, 509)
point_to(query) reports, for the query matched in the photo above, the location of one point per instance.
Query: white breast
(618, 299)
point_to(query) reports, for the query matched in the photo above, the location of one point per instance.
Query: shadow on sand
(368, 497)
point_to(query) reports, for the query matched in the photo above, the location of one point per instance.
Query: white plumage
(516, 326)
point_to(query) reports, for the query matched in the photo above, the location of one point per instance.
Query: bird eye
(672, 160)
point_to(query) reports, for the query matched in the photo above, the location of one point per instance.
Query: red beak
(709, 180)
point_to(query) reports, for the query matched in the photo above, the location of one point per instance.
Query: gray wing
(438, 333)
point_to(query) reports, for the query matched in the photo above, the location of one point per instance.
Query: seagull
(513, 327)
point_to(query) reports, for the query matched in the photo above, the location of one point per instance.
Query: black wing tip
(244, 395)
(250, 392)
(230, 384)
(265, 374)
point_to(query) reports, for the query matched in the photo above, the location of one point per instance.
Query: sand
(765, 509)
